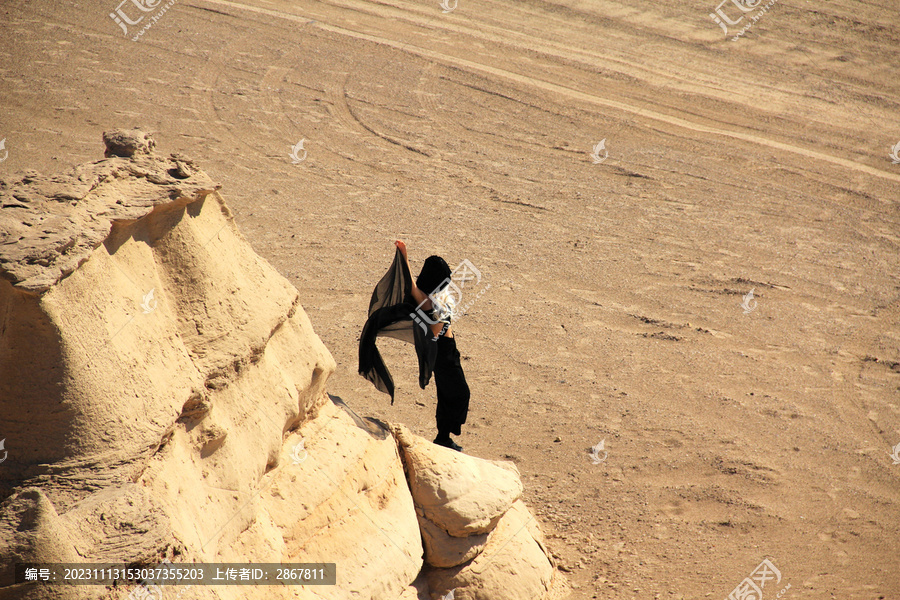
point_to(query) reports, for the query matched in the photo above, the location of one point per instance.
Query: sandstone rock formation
(449, 487)
(127, 143)
(513, 564)
(162, 396)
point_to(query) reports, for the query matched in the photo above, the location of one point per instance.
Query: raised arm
(418, 294)
(421, 297)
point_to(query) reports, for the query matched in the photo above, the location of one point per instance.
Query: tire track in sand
(567, 91)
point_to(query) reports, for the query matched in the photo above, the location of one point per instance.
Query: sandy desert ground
(609, 305)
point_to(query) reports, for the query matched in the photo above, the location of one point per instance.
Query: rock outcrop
(162, 396)
(461, 494)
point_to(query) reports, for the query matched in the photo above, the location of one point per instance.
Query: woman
(419, 312)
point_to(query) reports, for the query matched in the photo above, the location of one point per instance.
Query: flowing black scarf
(394, 313)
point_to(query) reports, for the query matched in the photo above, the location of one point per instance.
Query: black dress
(394, 313)
(452, 389)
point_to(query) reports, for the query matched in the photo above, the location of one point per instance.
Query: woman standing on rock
(418, 312)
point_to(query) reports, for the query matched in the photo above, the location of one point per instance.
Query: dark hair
(435, 275)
